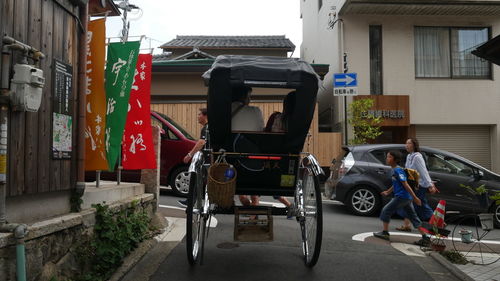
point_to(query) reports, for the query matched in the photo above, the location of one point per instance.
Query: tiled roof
(272, 42)
(162, 57)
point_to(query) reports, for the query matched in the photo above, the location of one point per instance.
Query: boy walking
(403, 197)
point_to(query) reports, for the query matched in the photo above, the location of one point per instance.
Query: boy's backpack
(412, 177)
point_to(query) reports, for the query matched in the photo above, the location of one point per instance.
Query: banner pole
(119, 172)
(97, 178)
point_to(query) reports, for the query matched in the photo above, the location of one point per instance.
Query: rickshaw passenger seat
(258, 142)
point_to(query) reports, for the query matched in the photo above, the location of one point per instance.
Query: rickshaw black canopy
(268, 72)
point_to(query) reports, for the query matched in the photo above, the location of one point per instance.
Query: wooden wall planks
(31, 134)
(45, 111)
(18, 119)
(325, 146)
(44, 25)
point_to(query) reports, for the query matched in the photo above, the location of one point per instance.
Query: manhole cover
(227, 245)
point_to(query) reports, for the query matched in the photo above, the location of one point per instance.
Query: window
(184, 132)
(375, 39)
(445, 52)
(167, 132)
(381, 155)
(442, 164)
(171, 135)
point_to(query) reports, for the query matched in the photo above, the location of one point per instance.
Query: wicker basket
(221, 192)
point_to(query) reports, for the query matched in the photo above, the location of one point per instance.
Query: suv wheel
(179, 181)
(495, 209)
(363, 201)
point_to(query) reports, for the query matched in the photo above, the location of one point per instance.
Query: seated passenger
(243, 116)
(278, 122)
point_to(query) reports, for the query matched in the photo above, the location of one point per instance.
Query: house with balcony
(414, 58)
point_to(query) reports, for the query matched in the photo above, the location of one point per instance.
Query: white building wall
(321, 45)
(432, 101)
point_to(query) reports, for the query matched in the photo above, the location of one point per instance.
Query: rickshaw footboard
(253, 224)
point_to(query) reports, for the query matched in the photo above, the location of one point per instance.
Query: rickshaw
(285, 169)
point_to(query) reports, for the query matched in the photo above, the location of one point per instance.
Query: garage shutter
(471, 142)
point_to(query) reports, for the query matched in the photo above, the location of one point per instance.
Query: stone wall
(51, 244)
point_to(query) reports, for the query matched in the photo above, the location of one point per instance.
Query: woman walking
(415, 161)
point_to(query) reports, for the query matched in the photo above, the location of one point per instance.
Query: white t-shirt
(248, 118)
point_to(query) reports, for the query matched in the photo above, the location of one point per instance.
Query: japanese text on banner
(120, 68)
(95, 117)
(138, 150)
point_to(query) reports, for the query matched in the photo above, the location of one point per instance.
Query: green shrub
(115, 236)
(366, 126)
(454, 257)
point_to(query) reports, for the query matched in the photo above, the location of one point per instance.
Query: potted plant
(437, 244)
(466, 236)
(481, 194)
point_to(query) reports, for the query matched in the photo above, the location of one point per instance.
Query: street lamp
(127, 7)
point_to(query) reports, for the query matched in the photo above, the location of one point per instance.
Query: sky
(163, 20)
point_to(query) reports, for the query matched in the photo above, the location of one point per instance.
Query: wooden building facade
(53, 27)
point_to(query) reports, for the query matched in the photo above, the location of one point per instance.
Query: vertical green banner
(120, 68)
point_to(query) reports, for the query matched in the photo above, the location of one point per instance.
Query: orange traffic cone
(436, 221)
(437, 218)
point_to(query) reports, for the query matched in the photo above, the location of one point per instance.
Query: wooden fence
(325, 146)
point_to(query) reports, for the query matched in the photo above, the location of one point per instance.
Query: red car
(175, 144)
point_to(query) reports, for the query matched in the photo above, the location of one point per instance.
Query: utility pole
(126, 7)
(346, 69)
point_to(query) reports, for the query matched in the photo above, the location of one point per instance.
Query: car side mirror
(478, 175)
(163, 133)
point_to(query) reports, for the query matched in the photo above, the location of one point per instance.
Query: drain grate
(227, 245)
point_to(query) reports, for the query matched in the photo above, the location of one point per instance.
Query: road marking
(273, 204)
(332, 202)
(213, 222)
(281, 205)
(175, 230)
(171, 207)
(362, 236)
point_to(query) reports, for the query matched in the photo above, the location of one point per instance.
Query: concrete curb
(450, 267)
(133, 258)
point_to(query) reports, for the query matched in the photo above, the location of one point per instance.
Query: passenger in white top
(244, 116)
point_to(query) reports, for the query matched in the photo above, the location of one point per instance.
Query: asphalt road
(341, 258)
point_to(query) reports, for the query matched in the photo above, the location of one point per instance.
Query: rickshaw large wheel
(194, 212)
(310, 217)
